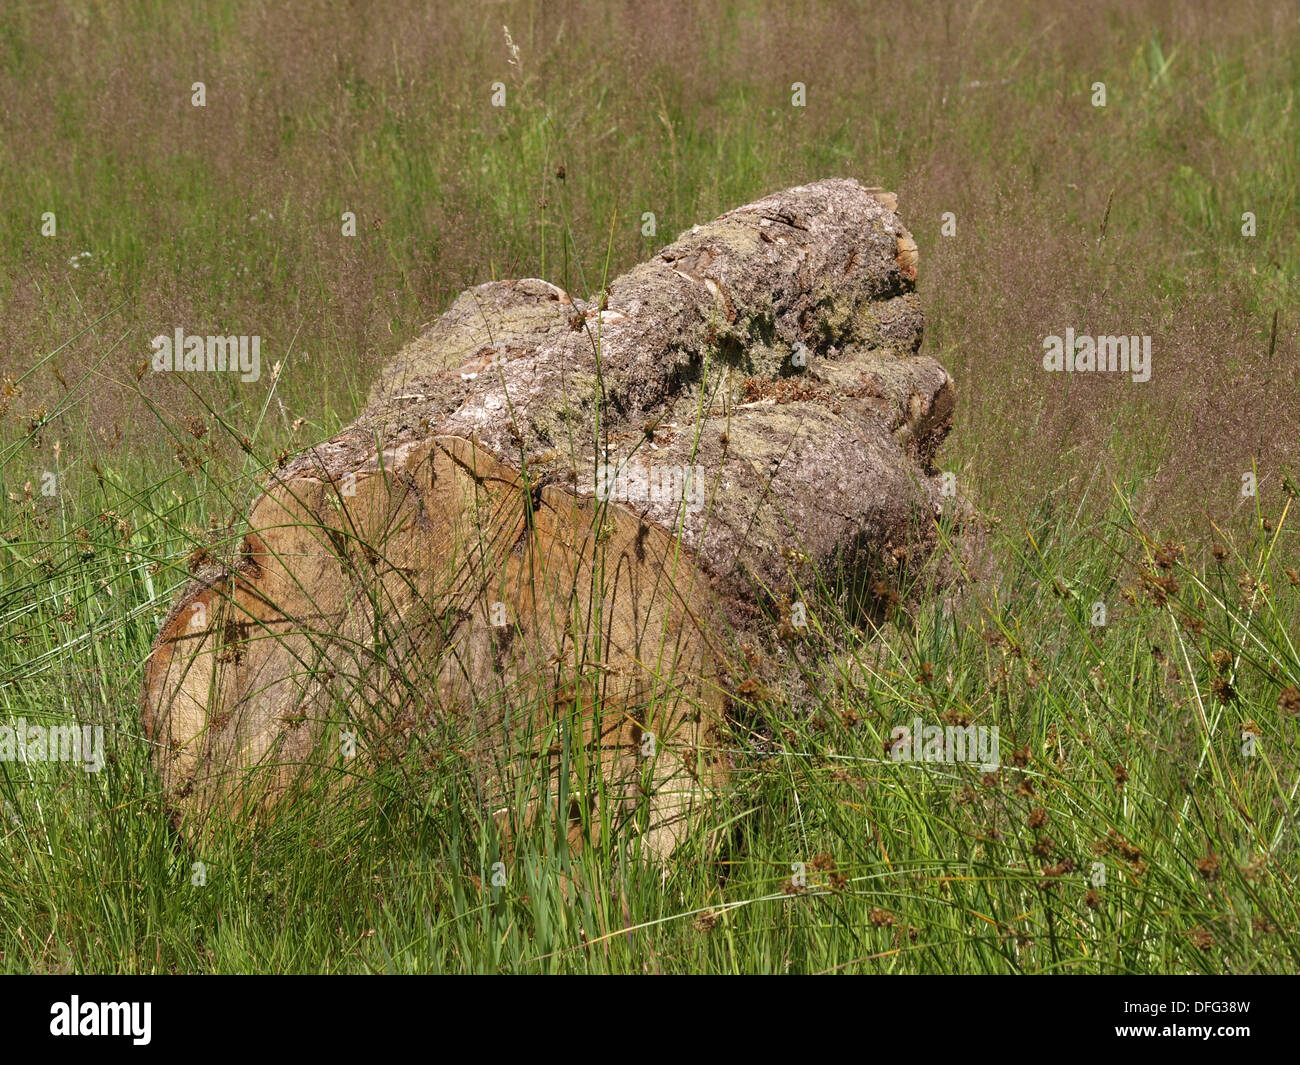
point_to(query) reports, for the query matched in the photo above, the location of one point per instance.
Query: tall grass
(1129, 828)
(1156, 751)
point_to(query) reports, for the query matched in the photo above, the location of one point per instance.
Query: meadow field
(195, 164)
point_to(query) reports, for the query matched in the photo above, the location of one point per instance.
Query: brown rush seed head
(1289, 701)
(1221, 660)
(1250, 590)
(754, 690)
(1065, 865)
(1117, 843)
(1219, 552)
(1159, 589)
(1037, 817)
(1208, 866)
(882, 591)
(881, 918)
(1168, 553)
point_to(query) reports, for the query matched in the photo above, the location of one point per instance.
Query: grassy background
(1117, 219)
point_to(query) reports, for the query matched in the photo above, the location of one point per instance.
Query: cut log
(558, 527)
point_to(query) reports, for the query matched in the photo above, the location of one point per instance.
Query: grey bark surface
(815, 460)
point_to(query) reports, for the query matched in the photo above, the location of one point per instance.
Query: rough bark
(770, 355)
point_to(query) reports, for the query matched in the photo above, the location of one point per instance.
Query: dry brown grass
(682, 109)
